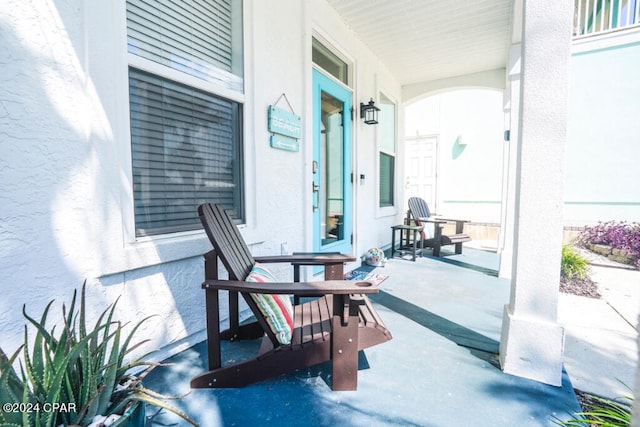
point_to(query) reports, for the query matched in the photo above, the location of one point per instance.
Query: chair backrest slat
(419, 208)
(234, 254)
(227, 241)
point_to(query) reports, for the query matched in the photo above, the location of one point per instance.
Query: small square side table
(414, 235)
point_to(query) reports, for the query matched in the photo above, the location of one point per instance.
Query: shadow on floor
(480, 346)
(463, 264)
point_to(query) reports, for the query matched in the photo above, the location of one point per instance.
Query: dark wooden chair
(419, 214)
(335, 325)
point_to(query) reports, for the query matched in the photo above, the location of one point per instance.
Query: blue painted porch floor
(440, 369)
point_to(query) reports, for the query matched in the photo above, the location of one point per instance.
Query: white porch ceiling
(426, 40)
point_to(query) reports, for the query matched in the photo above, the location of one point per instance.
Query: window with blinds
(185, 151)
(387, 142)
(186, 142)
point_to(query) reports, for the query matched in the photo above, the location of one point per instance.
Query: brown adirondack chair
(420, 214)
(335, 325)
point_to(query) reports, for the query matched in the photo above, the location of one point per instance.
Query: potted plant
(75, 374)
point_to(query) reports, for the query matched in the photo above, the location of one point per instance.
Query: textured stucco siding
(66, 203)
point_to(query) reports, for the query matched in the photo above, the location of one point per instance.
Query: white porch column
(510, 159)
(532, 340)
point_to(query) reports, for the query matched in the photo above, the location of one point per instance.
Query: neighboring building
(604, 131)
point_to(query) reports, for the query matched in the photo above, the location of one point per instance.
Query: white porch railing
(599, 16)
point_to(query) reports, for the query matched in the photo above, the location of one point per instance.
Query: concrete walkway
(601, 335)
(440, 369)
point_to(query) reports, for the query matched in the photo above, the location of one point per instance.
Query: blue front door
(332, 171)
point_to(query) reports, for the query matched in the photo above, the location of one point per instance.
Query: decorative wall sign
(285, 126)
(284, 122)
(284, 143)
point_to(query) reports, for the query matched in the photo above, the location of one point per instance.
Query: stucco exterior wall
(603, 147)
(66, 181)
(66, 202)
(470, 129)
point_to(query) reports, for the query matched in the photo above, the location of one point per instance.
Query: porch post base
(531, 348)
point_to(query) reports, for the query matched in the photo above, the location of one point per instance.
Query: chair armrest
(433, 220)
(451, 219)
(330, 287)
(307, 259)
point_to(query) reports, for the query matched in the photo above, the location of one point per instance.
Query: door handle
(316, 195)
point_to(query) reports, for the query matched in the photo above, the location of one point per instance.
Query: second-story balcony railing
(600, 16)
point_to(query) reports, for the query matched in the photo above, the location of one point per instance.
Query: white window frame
(213, 87)
(393, 208)
(107, 64)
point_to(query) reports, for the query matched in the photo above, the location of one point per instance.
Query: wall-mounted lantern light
(369, 112)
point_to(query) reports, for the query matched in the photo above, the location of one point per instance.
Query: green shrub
(605, 413)
(574, 265)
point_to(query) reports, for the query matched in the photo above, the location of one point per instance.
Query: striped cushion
(276, 309)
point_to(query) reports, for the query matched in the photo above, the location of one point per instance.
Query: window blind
(185, 151)
(196, 37)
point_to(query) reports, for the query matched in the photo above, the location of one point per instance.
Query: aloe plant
(73, 374)
(12, 389)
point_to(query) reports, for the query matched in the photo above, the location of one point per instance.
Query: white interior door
(421, 161)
